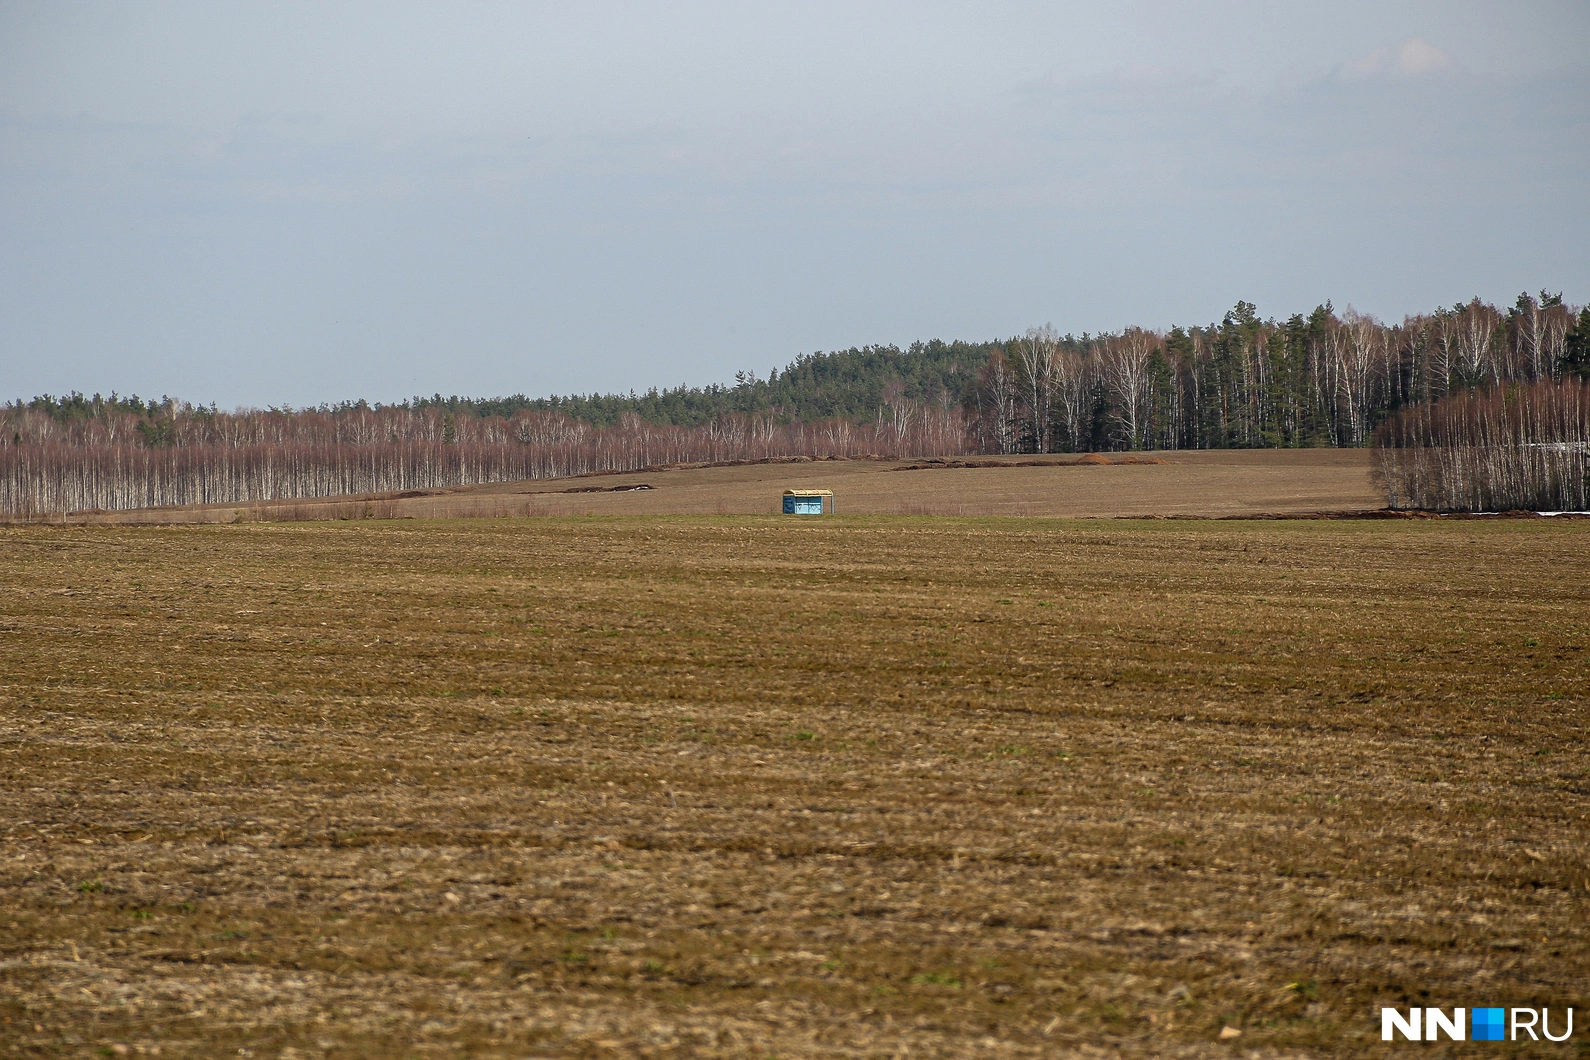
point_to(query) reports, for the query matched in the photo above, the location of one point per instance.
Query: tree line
(118, 459)
(852, 384)
(1522, 446)
(1324, 379)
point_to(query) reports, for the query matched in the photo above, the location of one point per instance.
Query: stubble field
(749, 787)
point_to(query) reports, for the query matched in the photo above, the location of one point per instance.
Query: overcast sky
(260, 204)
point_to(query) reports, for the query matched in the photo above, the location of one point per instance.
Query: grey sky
(294, 203)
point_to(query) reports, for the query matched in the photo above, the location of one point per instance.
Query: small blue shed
(808, 502)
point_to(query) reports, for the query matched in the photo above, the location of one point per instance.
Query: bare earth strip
(1205, 484)
(749, 786)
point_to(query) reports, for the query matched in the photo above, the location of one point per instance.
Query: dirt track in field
(1209, 484)
(745, 787)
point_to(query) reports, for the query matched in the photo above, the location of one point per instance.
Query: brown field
(707, 786)
(1202, 484)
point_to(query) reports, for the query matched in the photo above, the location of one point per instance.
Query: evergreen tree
(1576, 348)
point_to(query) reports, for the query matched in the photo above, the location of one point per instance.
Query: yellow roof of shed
(808, 493)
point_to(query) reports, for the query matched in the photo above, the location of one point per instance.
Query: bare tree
(1035, 352)
(901, 414)
(1477, 323)
(1529, 337)
(998, 385)
(1073, 379)
(1358, 346)
(1125, 363)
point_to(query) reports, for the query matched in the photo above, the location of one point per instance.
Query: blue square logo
(1489, 1025)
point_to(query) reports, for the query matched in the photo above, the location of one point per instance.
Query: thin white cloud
(1414, 57)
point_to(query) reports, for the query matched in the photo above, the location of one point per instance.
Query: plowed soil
(755, 786)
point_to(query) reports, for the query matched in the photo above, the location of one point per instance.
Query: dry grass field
(724, 786)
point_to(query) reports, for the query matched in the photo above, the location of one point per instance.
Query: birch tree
(1036, 353)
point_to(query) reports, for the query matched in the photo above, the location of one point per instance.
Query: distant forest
(1324, 379)
(851, 384)
(1327, 378)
